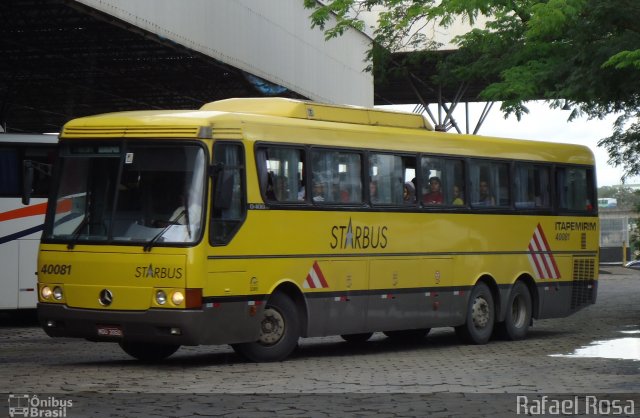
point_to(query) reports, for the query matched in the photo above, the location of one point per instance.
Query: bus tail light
(193, 298)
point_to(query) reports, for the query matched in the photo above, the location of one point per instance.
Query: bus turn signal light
(193, 298)
(45, 292)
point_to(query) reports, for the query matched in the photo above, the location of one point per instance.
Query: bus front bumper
(170, 326)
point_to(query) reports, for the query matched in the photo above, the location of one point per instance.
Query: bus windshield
(146, 194)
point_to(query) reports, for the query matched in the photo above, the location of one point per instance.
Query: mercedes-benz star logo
(106, 297)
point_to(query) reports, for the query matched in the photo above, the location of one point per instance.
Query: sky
(545, 124)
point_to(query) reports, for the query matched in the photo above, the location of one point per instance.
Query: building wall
(433, 32)
(270, 39)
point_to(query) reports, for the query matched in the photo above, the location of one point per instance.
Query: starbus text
(363, 237)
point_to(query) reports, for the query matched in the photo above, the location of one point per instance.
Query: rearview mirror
(27, 181)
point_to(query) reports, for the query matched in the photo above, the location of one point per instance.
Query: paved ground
(327, 377)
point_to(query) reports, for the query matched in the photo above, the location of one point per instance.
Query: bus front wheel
(279, 332)
(480, 316)
(148, 352)
(518, 315)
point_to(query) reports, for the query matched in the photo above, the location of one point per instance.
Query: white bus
(21, 225)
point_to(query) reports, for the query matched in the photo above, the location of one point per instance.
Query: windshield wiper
(170, 223)
(78, 231)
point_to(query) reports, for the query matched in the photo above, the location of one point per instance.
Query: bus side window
(229, 196)
(43, 157)
(281, 172)
(532, 186)
(9, 172)
(387, 175)
(575, 189)
(336, 177)
(490, 181)
(434, 182)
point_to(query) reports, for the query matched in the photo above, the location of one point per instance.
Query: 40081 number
(60, 269)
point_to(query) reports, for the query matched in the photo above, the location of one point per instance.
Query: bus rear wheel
(148, 352)
(279, 332)
(357, 338)
(518, 315)
(480, 316)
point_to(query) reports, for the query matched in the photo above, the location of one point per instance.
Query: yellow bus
(256, 222)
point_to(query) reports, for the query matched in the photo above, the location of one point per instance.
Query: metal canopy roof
(408, 80)
(60, 60)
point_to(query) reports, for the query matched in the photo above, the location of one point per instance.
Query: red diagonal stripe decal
(323, 281)
(32, 210)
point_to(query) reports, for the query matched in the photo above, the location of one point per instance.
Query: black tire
(518, 315)
(481, 314)
(148, 352)
(357, 338)
(408, 334)
(279, 334)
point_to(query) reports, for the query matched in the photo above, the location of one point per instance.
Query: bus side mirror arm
(27, 181)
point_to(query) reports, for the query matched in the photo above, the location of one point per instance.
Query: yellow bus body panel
(333, 255)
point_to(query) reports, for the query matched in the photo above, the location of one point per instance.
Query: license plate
(109, 331)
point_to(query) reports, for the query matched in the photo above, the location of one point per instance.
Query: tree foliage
(581, 54)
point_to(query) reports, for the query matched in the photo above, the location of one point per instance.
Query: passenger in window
(486, 198)
(457, 196)
(373, 191)
(270, 193)
(302, 193)
(281, 191)
(434, 197)
(345, 196)
(318, 192)
(409, 194)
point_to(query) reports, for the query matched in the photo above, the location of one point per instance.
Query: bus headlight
(177, 298)
(161, 297)
(57, 293)
(45, 292)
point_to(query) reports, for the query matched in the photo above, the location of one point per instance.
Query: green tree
(577, 54)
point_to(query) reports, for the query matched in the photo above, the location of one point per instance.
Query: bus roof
(299, 109)
(279, 119)
(28, 138)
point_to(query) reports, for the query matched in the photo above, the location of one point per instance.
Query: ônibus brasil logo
(35, 406)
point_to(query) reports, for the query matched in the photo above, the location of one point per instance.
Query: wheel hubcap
(480, 312)
(272, 327)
